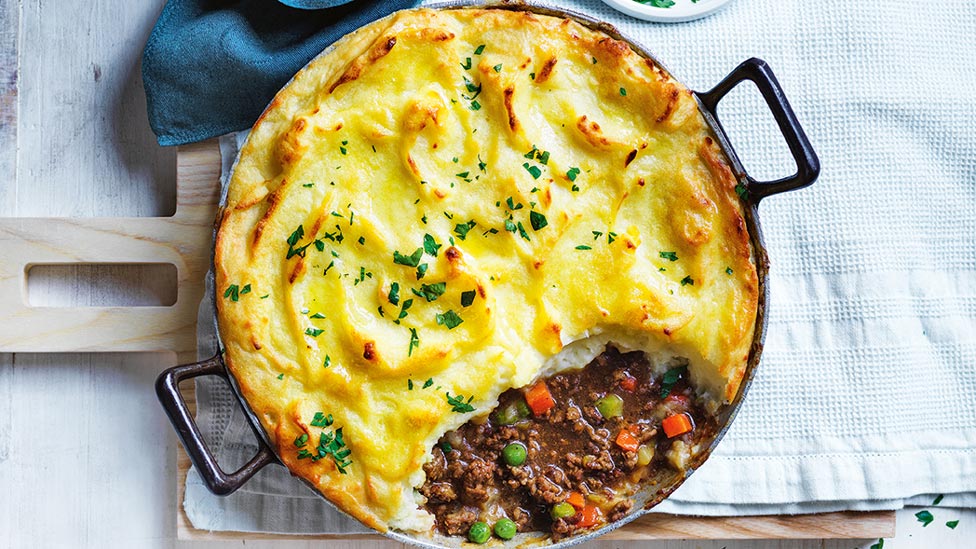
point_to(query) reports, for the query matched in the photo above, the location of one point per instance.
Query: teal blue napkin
(211, 66)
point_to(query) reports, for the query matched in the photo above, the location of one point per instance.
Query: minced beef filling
(573, 450)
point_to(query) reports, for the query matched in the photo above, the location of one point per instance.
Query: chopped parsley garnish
(317, 315)
(233, 292)
(430, 292)
(447, 448)
(611, 236)
(458, 404)
(362, 240)
(403, 309)
(537, 220)
(321, 420)
(952, 524)
(329, 266)
(657, 3)
(327, 362)
(533, 170)
(670, 378)
(672, 256)
(938, 499)
(482, 165)
(314, 332)
(449, 319)
(623, 92)
(410, 385)
(572, 173)
(308, 185)
(461, 229)
(532, 76)
(687, 281)
(511, 204)
(292, 240)
(467, 63)
(332, 445)
(428, 383)
(421, 270)
(924, 517)
(463, 175)
(281, 376)
(411, 260)
(475, 106)
(301, 440)
(742, 191)
(728, 270)
(414, 344)
(265, 296)
(575, 188)
(319, 245)
(498, 67)
(510, 226)
(582, 247)
(394, 295)
(596, 234)
(479, 49)
(467, 298)
(521, 231)
(246, 289)
(879, 545)
(544, 158)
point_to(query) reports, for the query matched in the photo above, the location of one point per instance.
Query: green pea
(514, 454)
(479, 532)
(505, 528)
(562, 510)
(512, 413)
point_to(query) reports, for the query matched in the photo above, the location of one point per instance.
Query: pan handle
(168, 391)
(807, 163)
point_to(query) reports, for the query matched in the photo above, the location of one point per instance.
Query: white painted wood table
(87, 459)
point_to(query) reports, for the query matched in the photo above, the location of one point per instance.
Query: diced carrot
(590, 515)
(576, 500)
(677, 425)
(539, 399)
(627, 441)
(628, 384)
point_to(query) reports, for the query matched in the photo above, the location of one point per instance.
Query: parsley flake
(671, 256)
(533, 170)
(582, 247)
(394, 295)
(314, 332)
(475, 106)
(449, 319)
(322, 420)
(410, 384)
(537, 220)
(461, 229)
(233, 292)
(498, 67)
(952, 524)
(431, 292)
(411, 260)
(414, 344)
(670, 378)
(686, 281)
(428, 383)
(458, 404)
(623, 92)
(467, 64)
(572, 173)
(742, 191)
(467, 298)
(479, 49)
(430, 245)
(924, 517)
(728, 270)
(327, 362)
(301, 440)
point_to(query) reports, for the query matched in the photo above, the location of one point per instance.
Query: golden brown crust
(523, 181)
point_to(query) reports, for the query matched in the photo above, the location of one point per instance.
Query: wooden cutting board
(184, 241)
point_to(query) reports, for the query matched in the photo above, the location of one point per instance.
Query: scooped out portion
(449, 204)
(566, 454)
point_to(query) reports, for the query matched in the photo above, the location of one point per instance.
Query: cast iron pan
(807, 170)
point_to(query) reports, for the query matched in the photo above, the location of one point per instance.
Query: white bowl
(682, 10)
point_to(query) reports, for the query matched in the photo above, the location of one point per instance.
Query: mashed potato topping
(451, 203)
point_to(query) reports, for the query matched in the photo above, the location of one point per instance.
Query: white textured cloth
(866, 394)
